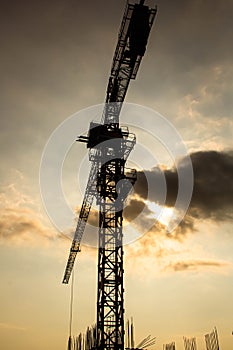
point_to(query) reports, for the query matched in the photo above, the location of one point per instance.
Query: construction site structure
(87, 341)
(109, 182)
(190, 343)
(211, 340)
(130, 342)
(170, 346)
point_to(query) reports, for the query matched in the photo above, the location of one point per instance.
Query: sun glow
(163, 214)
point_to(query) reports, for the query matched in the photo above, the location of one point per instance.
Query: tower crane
(109, 146)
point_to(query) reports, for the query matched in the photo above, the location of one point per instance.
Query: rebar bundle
(190, 343)
(170, 346)
(211, 340)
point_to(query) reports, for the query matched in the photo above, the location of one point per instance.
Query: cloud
(20, 220)
(134, 209)
(212, 197)
(214, 98)
(195, 265)
(211, 200)
(11, 326)
(213, 187)
(151, 243)
(22, 223)
(157, 253)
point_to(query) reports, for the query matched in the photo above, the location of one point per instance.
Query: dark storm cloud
(213, 186)
(212, 196)
(135, 208)
(154, 177)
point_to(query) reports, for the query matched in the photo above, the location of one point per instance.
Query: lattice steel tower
(109, 182)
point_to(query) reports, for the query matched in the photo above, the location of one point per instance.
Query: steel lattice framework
(109, 182)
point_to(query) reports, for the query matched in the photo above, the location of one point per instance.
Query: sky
(55, 61)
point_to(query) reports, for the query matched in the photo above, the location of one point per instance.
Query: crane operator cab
(99, 133)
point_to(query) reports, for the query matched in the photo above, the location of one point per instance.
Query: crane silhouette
(109, 182)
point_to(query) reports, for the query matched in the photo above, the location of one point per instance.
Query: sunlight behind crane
(163, 214)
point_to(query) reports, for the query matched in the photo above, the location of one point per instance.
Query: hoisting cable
(71, 302)
(70, 341)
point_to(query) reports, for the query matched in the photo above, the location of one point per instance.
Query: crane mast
(109, 182)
